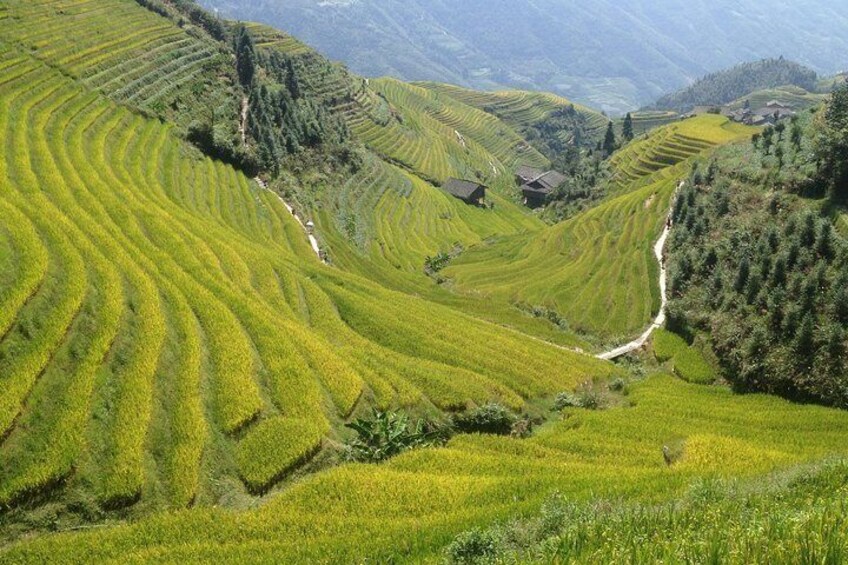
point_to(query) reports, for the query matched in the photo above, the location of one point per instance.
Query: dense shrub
(473, 548)
(388, 434)
(489, 419)
(763, 273)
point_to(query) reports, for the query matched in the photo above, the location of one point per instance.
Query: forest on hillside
(726, 86)
(759, 264)
(611, 55)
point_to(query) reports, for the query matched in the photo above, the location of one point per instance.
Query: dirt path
(659, 253)
(245, 108)
(313, 241)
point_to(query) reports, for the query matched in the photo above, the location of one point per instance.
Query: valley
(223, 257)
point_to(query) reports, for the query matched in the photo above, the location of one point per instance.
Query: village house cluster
(770, 114)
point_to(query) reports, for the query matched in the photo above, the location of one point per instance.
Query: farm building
(537, 190)
(525, 174)
(769, 114)
(468, 191)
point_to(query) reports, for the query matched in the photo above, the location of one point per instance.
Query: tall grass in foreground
(796, 518)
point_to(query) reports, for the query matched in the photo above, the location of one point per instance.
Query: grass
(410, 508)
(795, 517)
(688, 362)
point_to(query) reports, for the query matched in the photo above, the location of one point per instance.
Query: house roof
(550, 180)
(462, 188)
(528, 173)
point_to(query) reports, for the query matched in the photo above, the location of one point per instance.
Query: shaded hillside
(726, 86)
(612, 55)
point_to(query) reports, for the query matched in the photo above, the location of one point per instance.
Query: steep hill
(726, 86)
(168, 336)
(179, 367)
(612, 55)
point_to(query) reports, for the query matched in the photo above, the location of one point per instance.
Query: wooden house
(537, 190)
(470, 192)
(525, 174)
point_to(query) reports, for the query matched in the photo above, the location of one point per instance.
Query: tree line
(764, 272)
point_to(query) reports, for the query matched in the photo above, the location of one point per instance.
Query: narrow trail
(245, 108)
(659, 253)
(313, 241)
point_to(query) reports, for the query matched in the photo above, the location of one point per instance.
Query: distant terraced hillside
(130, 54)
(596, 269)
(521, 109)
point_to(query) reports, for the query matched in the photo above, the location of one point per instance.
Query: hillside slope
(596, 269)
(168, 336)
(612, 55)
(178, 367)
(726, 86)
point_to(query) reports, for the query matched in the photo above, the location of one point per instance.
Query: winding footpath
(313, 241)
(659, 252)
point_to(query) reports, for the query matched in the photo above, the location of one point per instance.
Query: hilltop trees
(766, 282)
(609, 140)
(729, 85)
(627, 128)
(245, 56)
(831, 144)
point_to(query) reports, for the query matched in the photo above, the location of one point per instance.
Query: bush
(389, 434)
(473, 547)
(489, 419)
(586, 397)
(618, 385)
(566, 400)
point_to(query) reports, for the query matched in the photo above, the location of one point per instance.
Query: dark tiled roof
(545, 184)
(551, 179)
(528, 173)
(462, 188)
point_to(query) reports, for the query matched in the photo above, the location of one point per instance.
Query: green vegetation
(689, 363)
(596, 270)
(756, 266)
(166, 329)
(726, 86)
(796, 518)
(386, 435)
(184, 380)
(412, 506)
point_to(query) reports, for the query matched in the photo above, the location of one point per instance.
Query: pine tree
(245, 57)
(627, 132)
(609, 140)
(742, 275)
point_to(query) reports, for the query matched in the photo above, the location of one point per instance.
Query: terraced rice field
(168, 340)
(795, 97)
(411, 507)
(439, 141)
(133, 55)
(519, 108)
(164, 315)
(266, 37)
(643, 122)
(596, 269)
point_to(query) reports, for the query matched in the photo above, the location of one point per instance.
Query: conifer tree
(609, 140)
(627, 132)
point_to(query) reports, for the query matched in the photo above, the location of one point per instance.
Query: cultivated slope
(408, 509)
(597, 269)
(165, 324)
